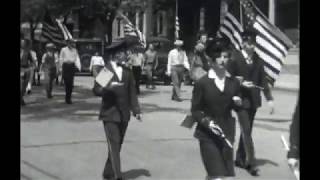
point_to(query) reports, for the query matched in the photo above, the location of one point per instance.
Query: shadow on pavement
(149, 108)
(135, 173)
(261, 162)
(40, 108)
(44, 172)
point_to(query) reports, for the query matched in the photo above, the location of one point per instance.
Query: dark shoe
(153, 87)
(240, 164)
(177, 99)
(253, 170)
(68, 101)
(49, 96)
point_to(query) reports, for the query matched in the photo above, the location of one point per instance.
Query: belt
(68, 62)
(178, 65)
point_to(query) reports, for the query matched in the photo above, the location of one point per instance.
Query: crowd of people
(52, 64)
(225, 80)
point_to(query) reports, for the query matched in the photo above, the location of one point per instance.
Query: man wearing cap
(119, 99)
(70, 60)
(249, 69)
(49, 66)
(177, 62)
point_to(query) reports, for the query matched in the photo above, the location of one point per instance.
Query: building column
(164, 23)
(202, 19)
(272, 10)
(137, 19)
(147, 19)
(76, 31)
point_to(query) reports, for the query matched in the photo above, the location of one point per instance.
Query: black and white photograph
(159, 89)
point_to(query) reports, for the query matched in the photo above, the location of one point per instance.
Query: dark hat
(216, 46)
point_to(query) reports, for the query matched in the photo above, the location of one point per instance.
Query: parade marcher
(70, 60)
(96, 64)
(177, 62)
(151, 63)
(118, 100)
(249, 69)
(214, 96)
(49, 66)
(34, 70)
(136, 62)
(294, 138)
(27, 65)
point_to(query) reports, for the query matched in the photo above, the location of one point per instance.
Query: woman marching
(214, 96)
(49, 67)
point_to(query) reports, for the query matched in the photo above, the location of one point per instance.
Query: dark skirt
(217, 158)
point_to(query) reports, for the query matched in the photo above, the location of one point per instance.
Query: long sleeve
(186, 61)
(43, 58)
(169, 61)
(78, 63)
(196, 102)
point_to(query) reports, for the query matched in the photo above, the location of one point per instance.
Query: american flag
(131, 31)
(231, 28)
(54, 30)
(272, 45)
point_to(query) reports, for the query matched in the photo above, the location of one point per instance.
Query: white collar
(213, 75)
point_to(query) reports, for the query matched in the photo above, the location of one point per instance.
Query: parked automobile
(163, 46)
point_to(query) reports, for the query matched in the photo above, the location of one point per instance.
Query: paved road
(67, 142)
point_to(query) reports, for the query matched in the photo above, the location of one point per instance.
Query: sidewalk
(289, 78)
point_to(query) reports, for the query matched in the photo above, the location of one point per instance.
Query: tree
(32, 12)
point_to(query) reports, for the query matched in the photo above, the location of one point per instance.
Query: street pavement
(67, 142)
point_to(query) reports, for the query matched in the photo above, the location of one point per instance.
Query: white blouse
(219, 82)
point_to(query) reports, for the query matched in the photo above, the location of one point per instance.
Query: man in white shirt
(177, 62)
(70, 60)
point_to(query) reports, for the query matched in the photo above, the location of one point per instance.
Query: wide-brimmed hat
(178, 42)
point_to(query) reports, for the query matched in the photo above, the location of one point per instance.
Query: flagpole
(175, 21)
(241, 19)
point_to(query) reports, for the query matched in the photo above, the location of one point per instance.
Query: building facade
(194, 16)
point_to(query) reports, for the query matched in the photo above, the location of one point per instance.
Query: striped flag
(232, 29)
(131, 31)
(54, 30)
(272, 45)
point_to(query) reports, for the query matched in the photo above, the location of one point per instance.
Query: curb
(283, 88)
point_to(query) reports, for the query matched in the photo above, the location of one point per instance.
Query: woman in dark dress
(214, 96)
